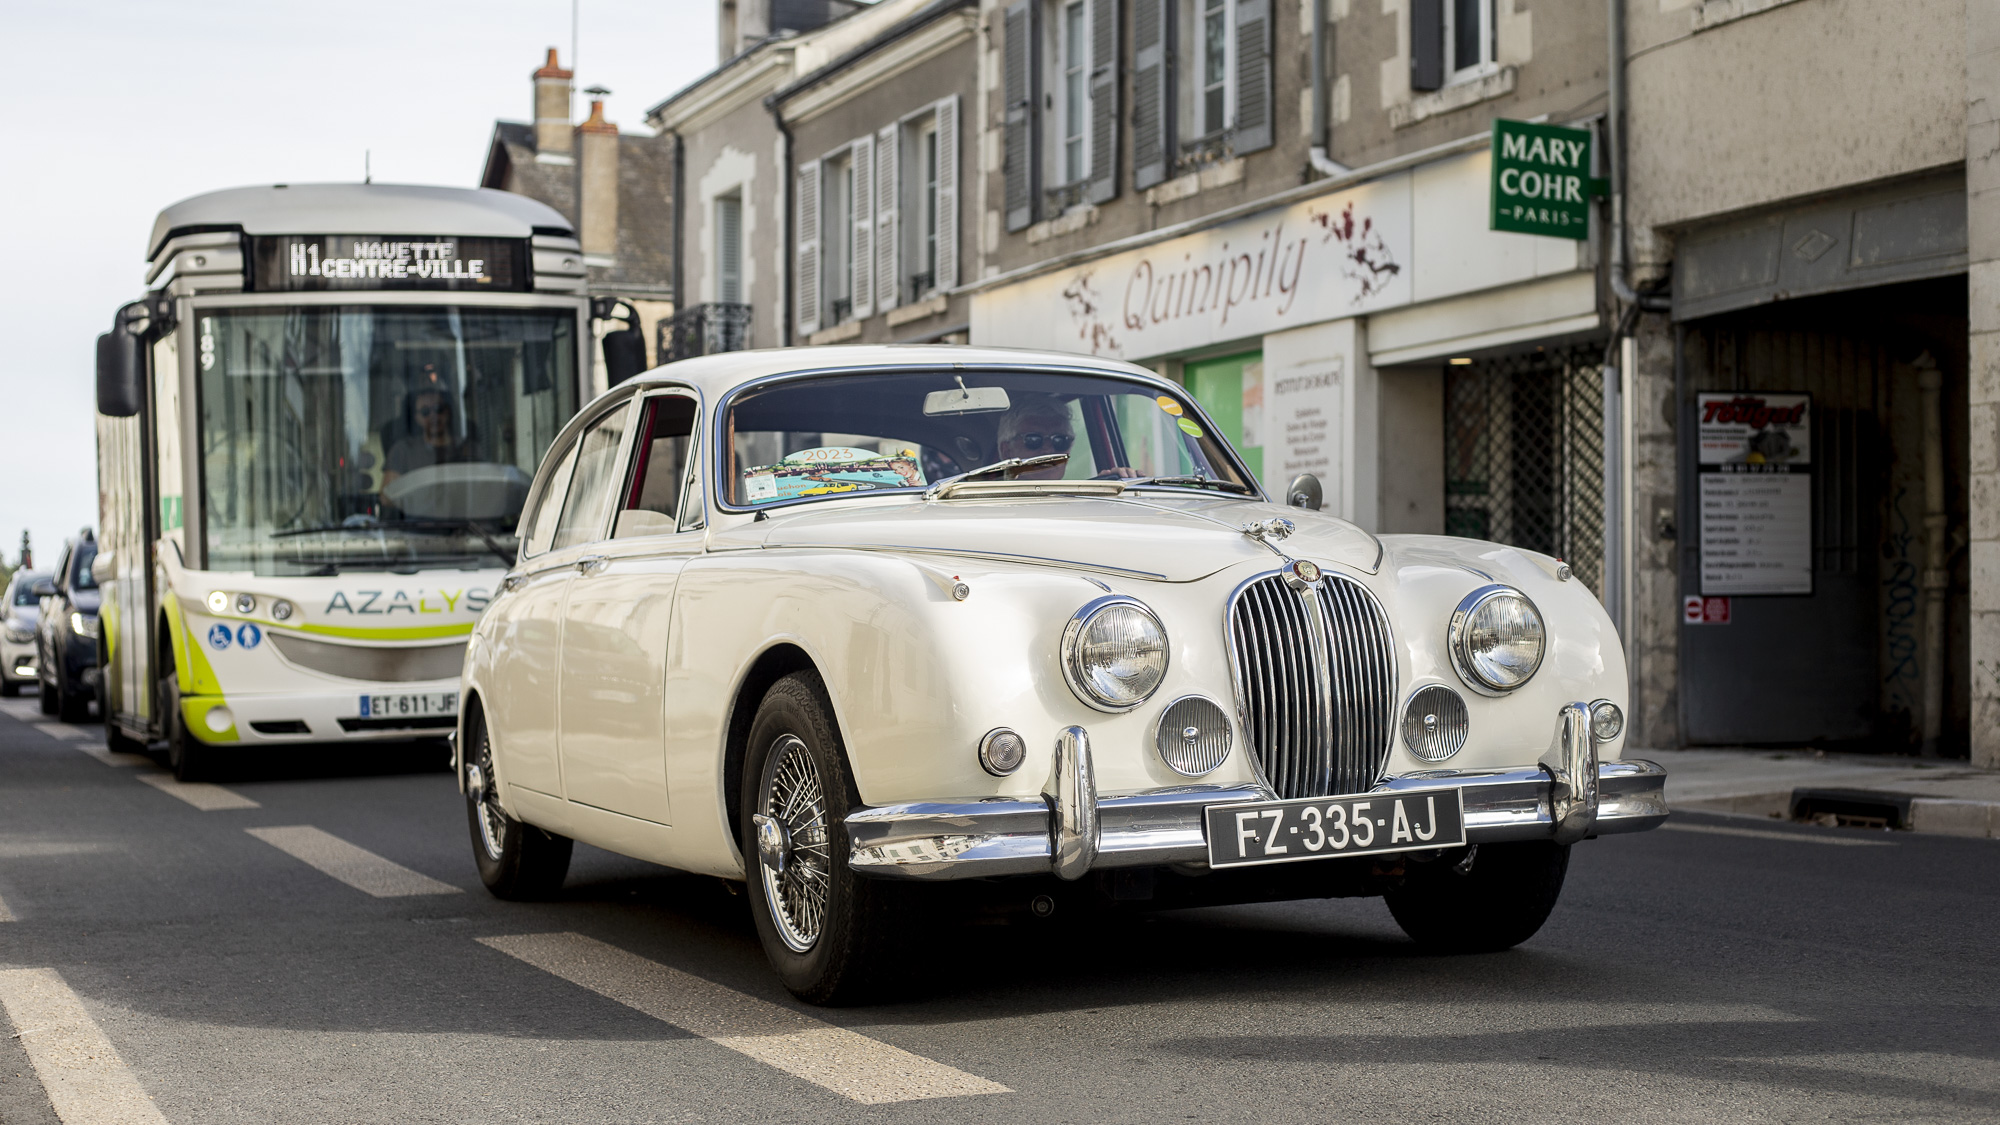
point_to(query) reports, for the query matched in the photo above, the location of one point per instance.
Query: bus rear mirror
(119, 367)
(624, 355)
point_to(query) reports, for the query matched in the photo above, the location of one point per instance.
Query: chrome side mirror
(1305, 492)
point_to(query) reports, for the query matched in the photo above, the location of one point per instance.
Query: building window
(1060, 85)
(837, 237)
(1212, 69)
(1074, 63)
(1468, 38)
(921, 205)
(729, 249)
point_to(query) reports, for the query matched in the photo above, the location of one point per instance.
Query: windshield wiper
(1191, 482)
(1010, 465)
(474, 526)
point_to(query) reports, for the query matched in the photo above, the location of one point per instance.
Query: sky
(124, 107)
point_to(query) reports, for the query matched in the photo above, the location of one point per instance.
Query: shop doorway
(1842, 666)
(1524, 453)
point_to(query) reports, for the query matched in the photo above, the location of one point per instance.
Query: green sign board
(1541, 179)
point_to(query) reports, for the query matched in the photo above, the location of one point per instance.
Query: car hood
(1152, 535)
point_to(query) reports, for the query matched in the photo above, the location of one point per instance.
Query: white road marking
(357, 867)
(200, 794)
(64, 731)
(7, 913)
(1794, 837)
(846, 1062)
(26, 710)
(112, 757)
(86, 1080)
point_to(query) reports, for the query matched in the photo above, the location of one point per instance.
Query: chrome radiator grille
(1315, 684)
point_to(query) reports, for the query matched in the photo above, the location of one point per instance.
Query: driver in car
(1038, 426)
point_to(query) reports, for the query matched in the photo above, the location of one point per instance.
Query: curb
(1939, 816)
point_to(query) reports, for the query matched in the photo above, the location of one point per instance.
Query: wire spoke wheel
(492, 822)
(798, 885)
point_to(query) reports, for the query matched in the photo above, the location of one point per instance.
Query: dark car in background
(66, 645)
(22, 608)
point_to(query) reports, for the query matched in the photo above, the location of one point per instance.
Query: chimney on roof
(742, 24)
(552, 132)
(597, 190)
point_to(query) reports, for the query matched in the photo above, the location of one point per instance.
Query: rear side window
(588, 505)
(652, 503)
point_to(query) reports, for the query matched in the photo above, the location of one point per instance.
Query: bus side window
(541, 519)
(659, 465)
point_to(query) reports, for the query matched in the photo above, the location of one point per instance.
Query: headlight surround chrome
(1114, 653)
(1497, 639)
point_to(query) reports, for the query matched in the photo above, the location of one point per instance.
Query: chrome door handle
(514, 581)
(591, 564)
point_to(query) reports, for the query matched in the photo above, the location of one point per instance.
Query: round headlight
(1496, 639)
(1114, 654)
(218, 602)
(246, 604)
(281, 610)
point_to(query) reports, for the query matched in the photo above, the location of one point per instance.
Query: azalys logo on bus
(382, 603)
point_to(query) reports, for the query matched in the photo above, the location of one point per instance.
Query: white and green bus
(315, 435)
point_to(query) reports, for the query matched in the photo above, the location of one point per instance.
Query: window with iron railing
(922, 283)
(704, 330)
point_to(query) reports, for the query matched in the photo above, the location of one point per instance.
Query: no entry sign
(1541, 179)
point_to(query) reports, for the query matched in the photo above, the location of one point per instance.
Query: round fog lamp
(218, 602)
(246, 603)
(281, 610)
(1002, 751)
(1606, 720)
(219, 719)
(1435, 723)
(1114, 654)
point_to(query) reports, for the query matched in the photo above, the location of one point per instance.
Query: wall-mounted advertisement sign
(1336, 256)
(296, 262)
(1541, 179)
(1755, 467)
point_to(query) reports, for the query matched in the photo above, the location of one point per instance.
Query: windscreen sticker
(1169, 405)
(1189, 428)
(789, 480)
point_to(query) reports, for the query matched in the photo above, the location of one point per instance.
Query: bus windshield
(395, 437)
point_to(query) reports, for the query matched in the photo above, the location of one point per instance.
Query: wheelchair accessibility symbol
(218, 637)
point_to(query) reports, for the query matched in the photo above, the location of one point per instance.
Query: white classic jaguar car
(841, 622)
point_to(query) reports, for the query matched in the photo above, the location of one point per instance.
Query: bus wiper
(1191, 482)
(505, 556)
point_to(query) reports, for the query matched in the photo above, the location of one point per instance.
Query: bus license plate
(1318, 827)
(409, 706)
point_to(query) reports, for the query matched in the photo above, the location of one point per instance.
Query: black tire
(10, 688)
(187, 756)
(826, 930)
(1494, 898)
(516, 860)
(51, 705)
(72, 706)
(121, 743)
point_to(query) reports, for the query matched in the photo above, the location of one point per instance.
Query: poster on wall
(1755, 467)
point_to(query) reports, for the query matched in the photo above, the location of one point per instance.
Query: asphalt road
(330, 967)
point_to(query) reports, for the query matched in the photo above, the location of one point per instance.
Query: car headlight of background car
(1496, 640)
(83, 624)
(1114, 653)
(18, 635)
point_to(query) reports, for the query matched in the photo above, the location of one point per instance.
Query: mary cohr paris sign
(1541, 179)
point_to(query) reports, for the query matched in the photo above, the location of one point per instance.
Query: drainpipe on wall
(1322, 128)
(680, 227)
(791, 236)
(1615, 156)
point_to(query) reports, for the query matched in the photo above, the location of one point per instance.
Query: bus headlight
(83, 624)
(218, 602)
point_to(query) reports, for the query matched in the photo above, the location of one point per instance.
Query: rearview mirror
(1305, 492)
(966, 400)
(121, 365)
(43, 588)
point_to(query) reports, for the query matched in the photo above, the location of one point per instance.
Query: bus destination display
(294, 262)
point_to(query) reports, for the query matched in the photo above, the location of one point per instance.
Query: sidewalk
(1948, 797)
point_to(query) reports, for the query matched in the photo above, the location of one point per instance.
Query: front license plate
(1318, 827)
(409, 706)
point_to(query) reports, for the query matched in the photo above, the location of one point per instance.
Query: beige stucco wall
(1982, 176)
(1808, 97)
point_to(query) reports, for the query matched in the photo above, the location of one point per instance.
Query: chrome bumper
(1069, 831)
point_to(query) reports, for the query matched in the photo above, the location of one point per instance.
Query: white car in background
(843, 622)
(23, 609)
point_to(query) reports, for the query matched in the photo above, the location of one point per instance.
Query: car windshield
(24, 589)
(80, 577)
(836, 434)
(383, 438)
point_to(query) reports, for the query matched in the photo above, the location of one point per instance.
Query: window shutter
(1103, 100)
(888, 202)
(947, 194)
(1426, 44)
(1253, 76)
(729, 250)
(1152, 91)
(1022, 69)
(806, 277)
(861, 158)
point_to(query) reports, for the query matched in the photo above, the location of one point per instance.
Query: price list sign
(1755, 470)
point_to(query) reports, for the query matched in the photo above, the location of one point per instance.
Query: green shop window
(1231, 389)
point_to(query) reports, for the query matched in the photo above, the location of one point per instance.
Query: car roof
(716, 375)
